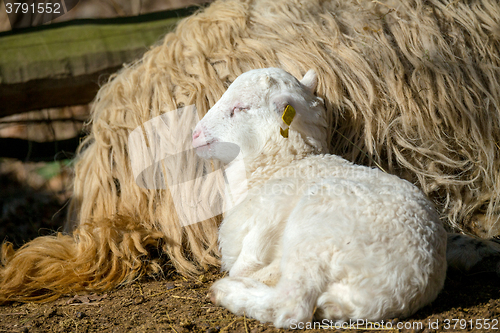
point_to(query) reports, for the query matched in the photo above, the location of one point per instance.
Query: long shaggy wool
(413, 86)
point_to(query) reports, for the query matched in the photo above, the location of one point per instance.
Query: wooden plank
(50, 93)
(60, 64)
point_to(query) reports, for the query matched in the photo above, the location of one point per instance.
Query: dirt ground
(180, 305)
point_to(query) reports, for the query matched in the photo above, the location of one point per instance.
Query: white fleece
(314, 231)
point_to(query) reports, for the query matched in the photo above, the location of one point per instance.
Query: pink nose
(198, 138)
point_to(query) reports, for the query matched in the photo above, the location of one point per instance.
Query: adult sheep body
(415, 84)
(314, 234)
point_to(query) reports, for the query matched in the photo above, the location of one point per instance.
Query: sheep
(413, 86)
(314, 231)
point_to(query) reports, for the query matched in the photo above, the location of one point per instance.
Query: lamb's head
(250, 115)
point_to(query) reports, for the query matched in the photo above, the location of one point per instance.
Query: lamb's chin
(206, 151)
(209, 151)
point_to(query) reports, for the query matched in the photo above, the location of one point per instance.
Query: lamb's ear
(310, 80)
(283, 106)
(286, 120)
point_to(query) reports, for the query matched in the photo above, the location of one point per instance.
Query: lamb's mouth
(205, 145)
(223, 151)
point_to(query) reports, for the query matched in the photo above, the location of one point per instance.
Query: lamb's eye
(237, 109)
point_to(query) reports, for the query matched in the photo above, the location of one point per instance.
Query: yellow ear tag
(287, 119)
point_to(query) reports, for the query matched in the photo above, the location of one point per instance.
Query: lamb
(314, 234)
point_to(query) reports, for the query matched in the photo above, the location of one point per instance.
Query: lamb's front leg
(250, 263)
(256, 252)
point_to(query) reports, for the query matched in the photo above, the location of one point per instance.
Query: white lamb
(315, 234)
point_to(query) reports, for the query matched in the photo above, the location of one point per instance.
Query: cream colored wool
(414, 84)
